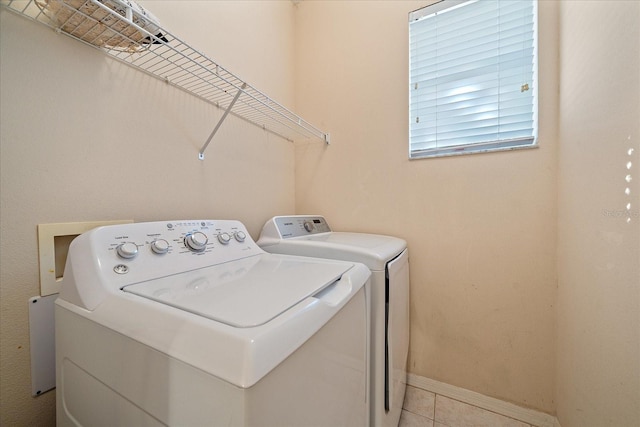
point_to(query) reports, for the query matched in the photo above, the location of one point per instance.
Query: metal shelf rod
(164, 56)
(224, 116)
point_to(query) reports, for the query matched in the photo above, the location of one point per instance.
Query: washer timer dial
(196, 242)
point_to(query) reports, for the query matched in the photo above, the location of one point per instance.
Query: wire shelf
(130, 34)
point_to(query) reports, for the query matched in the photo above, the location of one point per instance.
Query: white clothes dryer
(388, 259)
(190, 323)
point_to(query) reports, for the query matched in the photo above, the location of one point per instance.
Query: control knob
(196, 242)
(240, 236)
(160, 246)
(308, 225)
(224, 238)
(127, 250)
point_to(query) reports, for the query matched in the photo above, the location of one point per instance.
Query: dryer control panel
(286, 227)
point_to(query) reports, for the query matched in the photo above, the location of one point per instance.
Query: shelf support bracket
(224, 116)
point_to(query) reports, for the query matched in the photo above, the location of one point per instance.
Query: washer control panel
(300, 225)
(130, 253)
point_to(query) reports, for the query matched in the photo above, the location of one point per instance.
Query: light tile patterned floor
(425, 409)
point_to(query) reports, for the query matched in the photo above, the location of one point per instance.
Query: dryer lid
(244, 293)
(372, 250)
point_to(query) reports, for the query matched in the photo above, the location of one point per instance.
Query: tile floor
(425, 409)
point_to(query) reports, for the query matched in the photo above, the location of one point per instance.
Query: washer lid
(244, 293)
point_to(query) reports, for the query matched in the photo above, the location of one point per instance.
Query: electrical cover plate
(49, 249)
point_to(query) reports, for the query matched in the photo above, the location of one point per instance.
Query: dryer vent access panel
(128, 33)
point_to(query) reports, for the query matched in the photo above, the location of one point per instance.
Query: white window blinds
(473, 77)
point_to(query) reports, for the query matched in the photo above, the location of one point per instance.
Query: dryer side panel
(397, 333)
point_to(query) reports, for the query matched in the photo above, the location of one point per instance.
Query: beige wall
(481, 229)
(84, 138)
(598, 380)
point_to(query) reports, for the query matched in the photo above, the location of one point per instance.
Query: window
(473, 77)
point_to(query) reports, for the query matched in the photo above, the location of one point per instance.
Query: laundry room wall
(481, 228)
(598, 372)
(85, 138)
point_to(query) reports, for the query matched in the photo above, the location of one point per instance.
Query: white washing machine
(190, 323)
(388, 259)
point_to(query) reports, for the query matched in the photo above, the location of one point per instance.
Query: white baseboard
(530, 416)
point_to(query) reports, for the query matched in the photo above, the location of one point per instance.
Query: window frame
(475, 147)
